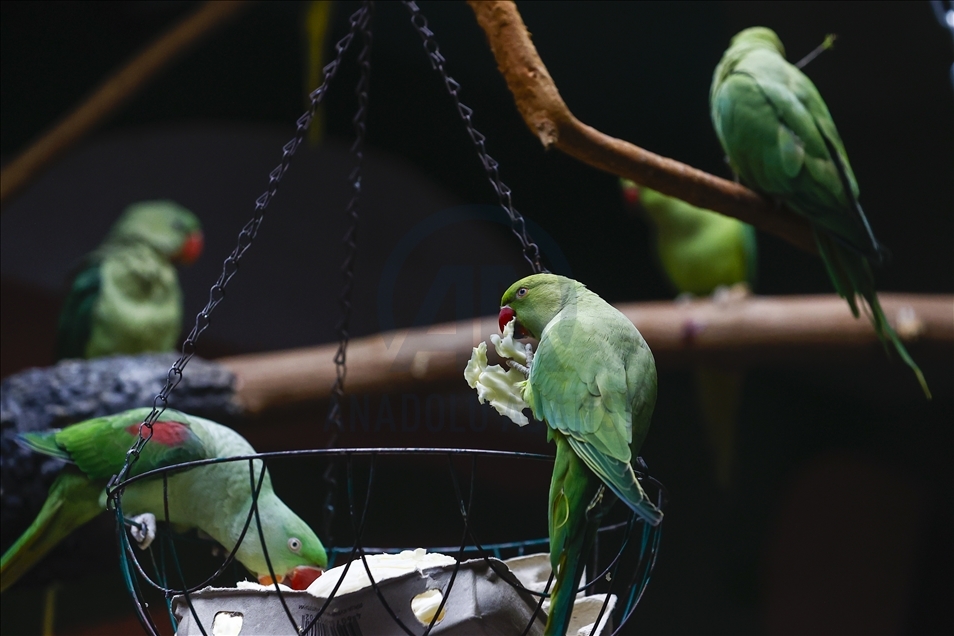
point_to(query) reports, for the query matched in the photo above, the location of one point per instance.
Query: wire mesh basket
(458, 504)
(473, 586)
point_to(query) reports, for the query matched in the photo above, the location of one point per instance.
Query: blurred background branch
(735, 333)
(547, 115)
(113, 93)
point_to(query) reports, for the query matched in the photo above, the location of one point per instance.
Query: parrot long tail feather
(73, 501)
(852, 277)
(577, 505)
(875, 250)
(43, 442)
(720, 396)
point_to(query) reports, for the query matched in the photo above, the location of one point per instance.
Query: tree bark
(113, 93)
(549, 118)
(754, 331)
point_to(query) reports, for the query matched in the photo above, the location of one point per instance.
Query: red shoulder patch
(169, 434)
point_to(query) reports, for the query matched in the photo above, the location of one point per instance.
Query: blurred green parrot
(317, 26)
(215, 498)
(126, 296)
(702, 251)
(593, 381)
(780, 139)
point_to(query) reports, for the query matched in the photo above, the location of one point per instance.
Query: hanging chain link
(230, 266)
(517, 223)
(347, 270)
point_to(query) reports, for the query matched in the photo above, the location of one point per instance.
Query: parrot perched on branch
(593, 381)
(126, 296)
(703, 252)
(780, 139)
(216, 498)
(700, 250)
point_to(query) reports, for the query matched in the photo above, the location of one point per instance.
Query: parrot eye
(294, 544)
(521, 292)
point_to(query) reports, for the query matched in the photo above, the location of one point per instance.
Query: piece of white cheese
(503, 389)
(382, 566)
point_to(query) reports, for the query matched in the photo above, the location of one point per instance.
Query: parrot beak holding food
(191, 248)
(506, 315)
(298, 579)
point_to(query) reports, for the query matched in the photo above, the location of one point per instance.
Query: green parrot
(702, 251)
(216, 498)
(126, 296)
(780, 139)
(317, 27)
(592, 379)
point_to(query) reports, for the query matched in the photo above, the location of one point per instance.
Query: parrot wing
(586, 398)
(76, 318)
(99, 446)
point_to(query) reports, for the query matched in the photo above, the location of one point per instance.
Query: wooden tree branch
(762, 331)
(549, 118)
(115, 91)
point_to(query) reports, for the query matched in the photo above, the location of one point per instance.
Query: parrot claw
(642, 464)
(143, 529)
(525, 370)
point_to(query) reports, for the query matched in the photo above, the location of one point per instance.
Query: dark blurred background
(839, 519)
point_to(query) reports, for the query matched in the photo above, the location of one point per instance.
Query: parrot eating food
(592, 379)
(126, 296)
(780, 139)
(215, 499)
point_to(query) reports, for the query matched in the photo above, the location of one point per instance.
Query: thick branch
(548, 116)
(115, 91)
(753, 331)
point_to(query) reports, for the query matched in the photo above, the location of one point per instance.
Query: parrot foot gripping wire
(143, 529)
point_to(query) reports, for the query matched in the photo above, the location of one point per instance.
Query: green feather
(73, 501)
(573, 520)
(593, 381)
(699, 249)
(76, 317)
(781, 139)
(126, 298)
(214, 498)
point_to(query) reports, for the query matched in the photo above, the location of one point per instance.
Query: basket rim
(333, 452)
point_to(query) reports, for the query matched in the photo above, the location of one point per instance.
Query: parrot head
(757, 37)
(167, 227)
(534, 301)
(295, 552)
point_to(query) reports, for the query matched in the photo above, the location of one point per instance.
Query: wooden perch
(115, 91)
(751, 331)
(549, 118)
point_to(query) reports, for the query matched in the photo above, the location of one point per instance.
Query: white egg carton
(484, 600)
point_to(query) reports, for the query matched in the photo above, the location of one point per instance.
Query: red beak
(191, 248)
(505, 316)
(631, 195)
(299, 578)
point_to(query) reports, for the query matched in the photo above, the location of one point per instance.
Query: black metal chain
(347, 270)
(517, 223)
(230, 266)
